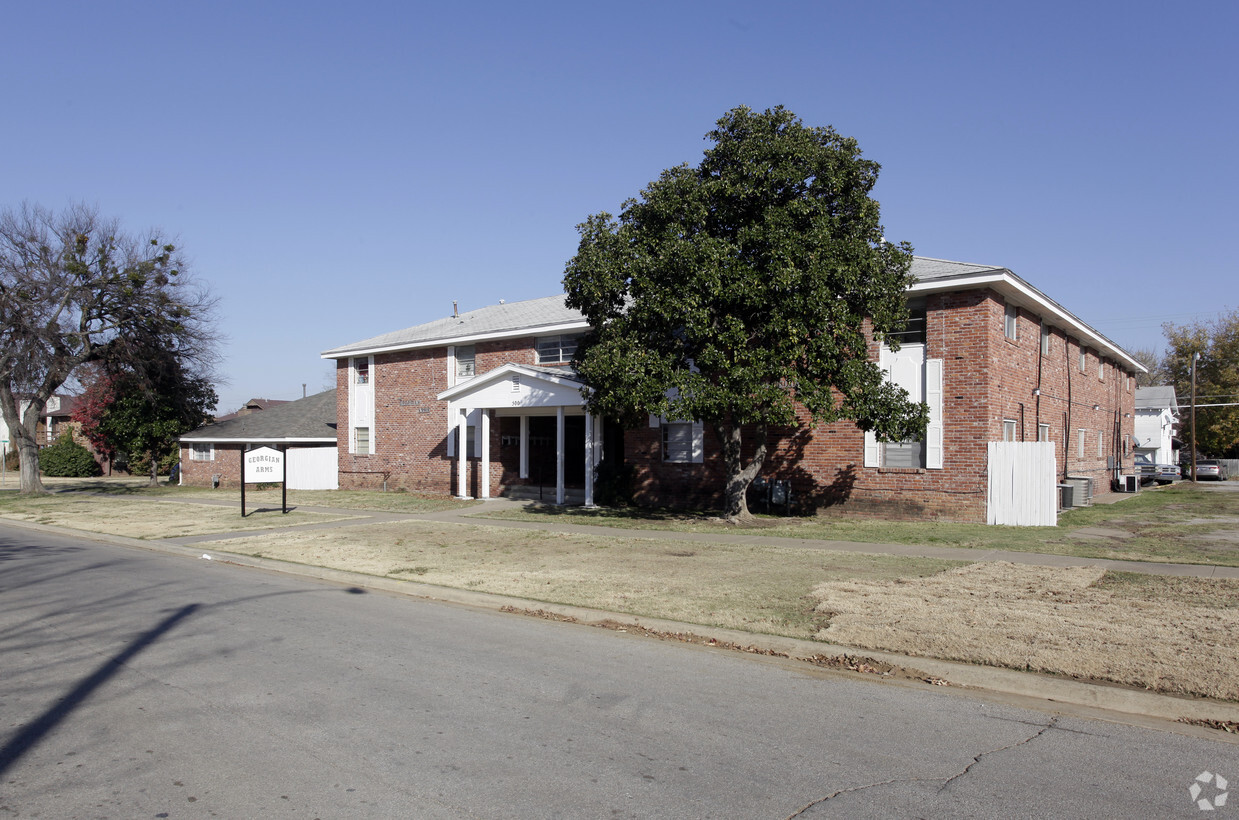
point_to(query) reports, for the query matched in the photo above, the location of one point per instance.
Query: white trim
(482, 440)
(503, 373)
(538, 330)
(935, 448)
(259, 439)
(1034, 301)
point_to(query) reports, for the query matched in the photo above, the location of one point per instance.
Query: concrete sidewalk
(475, 516)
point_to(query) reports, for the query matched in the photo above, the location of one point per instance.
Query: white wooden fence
(313, 468)
(1023, 491)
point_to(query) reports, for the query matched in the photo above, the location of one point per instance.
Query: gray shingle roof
(535, 315)
(1157, 397)
(531, 314)
(927, 270)
(313, 417)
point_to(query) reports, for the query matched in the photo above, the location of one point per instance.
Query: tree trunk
(28, 452)
(739, 475)
(22, 429)
(154, 469)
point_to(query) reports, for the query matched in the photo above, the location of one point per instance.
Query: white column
(462, 454)
(484, 443)
(559, 455)
(589, 460)
(524, 446)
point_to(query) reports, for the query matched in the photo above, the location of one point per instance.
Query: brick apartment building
(995, 359)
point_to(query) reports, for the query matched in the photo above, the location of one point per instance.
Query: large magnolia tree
(737, 291)
(76, 288)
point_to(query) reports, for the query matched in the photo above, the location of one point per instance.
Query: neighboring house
(306, 428)
(995, 359)
(252, 406)
(1157, 419)
(57, 419)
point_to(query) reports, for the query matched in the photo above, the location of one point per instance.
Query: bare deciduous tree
(76, 288)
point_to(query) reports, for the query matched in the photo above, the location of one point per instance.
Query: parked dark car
(1211, 469)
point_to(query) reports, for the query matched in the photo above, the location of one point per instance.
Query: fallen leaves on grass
(851, 663)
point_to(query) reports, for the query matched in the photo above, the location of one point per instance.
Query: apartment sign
(264, 465)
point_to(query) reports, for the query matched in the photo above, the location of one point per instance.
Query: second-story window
(1009, 321)
(557, 349)
(465, 365)
(363, 370)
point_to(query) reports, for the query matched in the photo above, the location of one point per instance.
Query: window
(470, 440)
(1008, 430)
(556, 349)
(361, 440)
(1083, 360)
(1046, 337)
(202, 452)
(1043, 432)
(677, 441)
(1080, 444)
(1101, 444)
(362, 367)
(914, 331)
(1126, 446)
(903, 454)
(465, 368)
(1101, 369)
(1009, 322)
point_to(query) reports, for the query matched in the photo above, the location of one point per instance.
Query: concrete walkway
(475, 516)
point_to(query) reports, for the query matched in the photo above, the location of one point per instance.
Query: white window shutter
(873, 452)
(934, 449)
(699, 444)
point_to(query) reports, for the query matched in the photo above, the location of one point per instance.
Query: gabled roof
(550, 314)
(546, 315)
(309, 419)
(940, 275)
(1157, 397)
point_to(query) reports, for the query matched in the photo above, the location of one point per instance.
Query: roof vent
(455, 312)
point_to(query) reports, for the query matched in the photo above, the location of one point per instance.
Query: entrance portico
(524, 392)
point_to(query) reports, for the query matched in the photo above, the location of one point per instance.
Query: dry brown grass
(151, 519)
(760, 589)
(1181, 639)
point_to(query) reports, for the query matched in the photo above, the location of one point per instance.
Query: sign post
(261, 466)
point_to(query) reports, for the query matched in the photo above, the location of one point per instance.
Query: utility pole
(1195, 356)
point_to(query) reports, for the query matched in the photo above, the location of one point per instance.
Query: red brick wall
(226, 464)
(986, 379)
(410, 423)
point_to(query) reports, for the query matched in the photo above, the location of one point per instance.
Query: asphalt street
(137, 684)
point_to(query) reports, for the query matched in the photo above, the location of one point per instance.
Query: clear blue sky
(336, 171)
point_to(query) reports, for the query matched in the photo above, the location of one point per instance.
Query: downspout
(1067, 431)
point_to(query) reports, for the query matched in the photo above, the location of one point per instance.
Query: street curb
(1039, 691)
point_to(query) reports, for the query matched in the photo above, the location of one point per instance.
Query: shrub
(140, 464)
(69, 459)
